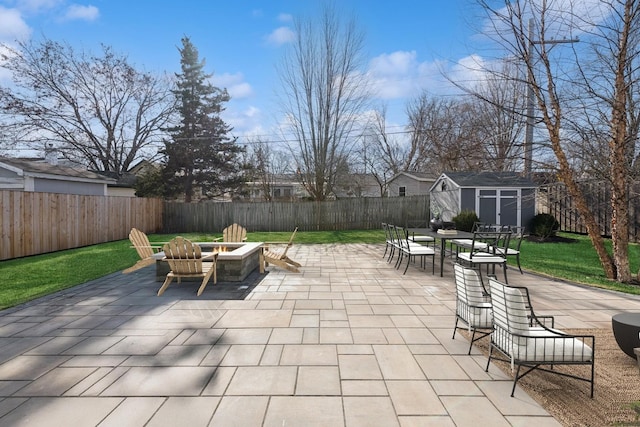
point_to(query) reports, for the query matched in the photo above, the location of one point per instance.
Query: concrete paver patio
(348, 342)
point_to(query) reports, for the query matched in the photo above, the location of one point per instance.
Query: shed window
(402, 191)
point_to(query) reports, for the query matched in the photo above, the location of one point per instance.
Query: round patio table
(626, 330)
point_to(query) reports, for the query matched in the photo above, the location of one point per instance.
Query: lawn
(27, 278)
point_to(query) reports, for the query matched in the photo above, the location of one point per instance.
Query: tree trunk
(618, 149)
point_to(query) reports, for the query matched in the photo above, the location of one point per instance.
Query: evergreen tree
(200, 153)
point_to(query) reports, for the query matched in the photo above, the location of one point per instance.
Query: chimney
(50, 154)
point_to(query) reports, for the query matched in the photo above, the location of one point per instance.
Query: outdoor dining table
(449, 235)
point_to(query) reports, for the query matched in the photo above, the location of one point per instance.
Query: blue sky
(408, 42)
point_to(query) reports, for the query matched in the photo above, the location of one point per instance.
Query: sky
(409, 44)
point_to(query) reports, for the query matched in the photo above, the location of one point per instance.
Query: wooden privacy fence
(35, 223)
(345, 214)
(560, 204)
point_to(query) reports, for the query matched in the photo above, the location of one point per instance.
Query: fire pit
(235, 260)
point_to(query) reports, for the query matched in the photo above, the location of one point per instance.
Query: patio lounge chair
(185, 261)
(527, 342)
(391, 241)
(518, 233)
(234, 233)
(145, 250)
(473, 304)
(487, 248)
(412, 250)
(280, 258)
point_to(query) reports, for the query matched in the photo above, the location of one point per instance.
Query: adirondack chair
(234, 233)
(279, 258)
(186, 260)
(146, 250)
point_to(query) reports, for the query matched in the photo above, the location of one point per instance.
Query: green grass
(575, 261)
(27, 278)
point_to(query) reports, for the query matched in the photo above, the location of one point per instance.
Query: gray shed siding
(468, 199)
(68, 187)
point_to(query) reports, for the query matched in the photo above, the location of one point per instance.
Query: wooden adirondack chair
(234, 233)
(186, 260)
(146, 250)
(280, 258)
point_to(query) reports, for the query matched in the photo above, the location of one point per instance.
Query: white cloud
(234, 83)
(5, 75)
(469, 71)
(239, 91)
(247, 121)
(400, 75)
(12, 26)
(280, 36)
(81, 12)
(36, 6)
(285, 17)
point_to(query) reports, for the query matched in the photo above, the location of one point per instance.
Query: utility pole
(528, 141)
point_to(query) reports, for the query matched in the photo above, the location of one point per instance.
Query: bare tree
(443, 135)
(381, 153)
(98, 111)
(500, 107)
(527, 30)
(268, 165)
(324, 94)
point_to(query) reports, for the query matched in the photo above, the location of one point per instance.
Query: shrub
(544, 225)
(464, 220)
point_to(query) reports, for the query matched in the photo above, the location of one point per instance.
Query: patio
(349, 342)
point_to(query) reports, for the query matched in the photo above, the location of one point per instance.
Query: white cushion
(467, 243)
(481, 258)
(481, 316)
(420, 250)
(545, 346)
(500, 251)
(468, 285)
(422, 239)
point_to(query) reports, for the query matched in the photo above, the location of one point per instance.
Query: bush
(464, 220)
(544, 226)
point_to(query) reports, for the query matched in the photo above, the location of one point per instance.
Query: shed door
(508, 212)
(498, 206)
(487, 206)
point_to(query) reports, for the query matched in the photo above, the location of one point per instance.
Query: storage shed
(504, 198)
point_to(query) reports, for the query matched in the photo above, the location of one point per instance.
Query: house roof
(43, 169)
(418, 176)
(489, 179)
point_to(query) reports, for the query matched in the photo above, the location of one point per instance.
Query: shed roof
(489, 179)
(44, 169)
(418, 176)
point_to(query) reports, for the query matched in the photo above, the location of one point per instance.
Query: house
(410, 184)
(504, 198)
(281, 187)
(357, 185)
(124, 185)
(42, 176)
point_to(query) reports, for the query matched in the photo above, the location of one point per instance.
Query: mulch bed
(617, 386)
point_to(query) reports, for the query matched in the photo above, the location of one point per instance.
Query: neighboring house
(289, 187)
(504, 198)
(281, 187)
(40, 176)
(357, 185)
(123, 185)
(410, 184)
